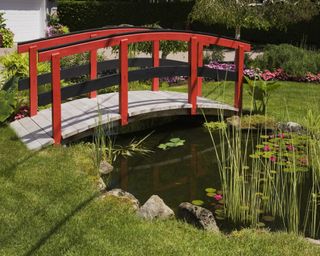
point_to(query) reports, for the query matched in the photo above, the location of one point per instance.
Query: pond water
(181, 174)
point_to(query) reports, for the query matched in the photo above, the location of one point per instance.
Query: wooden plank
(25, 135)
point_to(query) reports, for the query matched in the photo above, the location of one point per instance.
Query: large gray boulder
(155, 208)
(290, 127)
(124, 196)
(198, 216)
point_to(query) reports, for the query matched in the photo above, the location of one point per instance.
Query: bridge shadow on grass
(59, 225)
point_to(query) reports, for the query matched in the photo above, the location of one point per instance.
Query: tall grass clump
(269, 176)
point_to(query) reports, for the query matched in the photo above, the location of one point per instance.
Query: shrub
(294, 61)
(7, 35)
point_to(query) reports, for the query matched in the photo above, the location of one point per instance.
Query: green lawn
(49, 204)
(290, 102)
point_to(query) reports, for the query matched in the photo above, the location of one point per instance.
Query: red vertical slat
(200, 64)
(193, 79)
(33, 90)
(93, 70)
(123, 95)
(56, 98)
(155, 57)
(239, 60)
(93, 67)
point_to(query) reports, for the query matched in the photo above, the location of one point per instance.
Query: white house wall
(25, 18)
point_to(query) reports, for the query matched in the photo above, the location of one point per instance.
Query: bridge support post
(123, 94)
(93, 67)
(93, 70)
(193, 79)
(155, 59)
(239, 60)
(56, 98)
(200, 64)
(33, 70)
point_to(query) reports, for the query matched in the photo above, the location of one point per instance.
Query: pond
(183, 173)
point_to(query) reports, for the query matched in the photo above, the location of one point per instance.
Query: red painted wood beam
(73, 37)
(141, 37)
(155, 58)
(93, 70)
(56, 98)
(200, 64)
(239, 60)
(123, 94)
(193, 79)
(33, 73)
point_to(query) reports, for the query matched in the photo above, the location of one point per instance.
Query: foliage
(294, 61)
(260, 91)
(54, 27)
(79, 15)
(7, 35)
(173, 143)
(253, 14)
(166, 47)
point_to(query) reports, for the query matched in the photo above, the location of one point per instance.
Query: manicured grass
(49, 205)
(290, 102)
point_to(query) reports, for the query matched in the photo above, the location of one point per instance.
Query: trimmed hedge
(79, 15)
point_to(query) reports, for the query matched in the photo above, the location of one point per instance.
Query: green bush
(293, 60)
(7, 35)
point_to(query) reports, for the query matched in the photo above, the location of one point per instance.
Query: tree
(239, 14)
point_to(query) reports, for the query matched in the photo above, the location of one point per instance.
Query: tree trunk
(237, 33)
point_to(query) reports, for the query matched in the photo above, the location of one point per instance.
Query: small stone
(105, 167)
(123, 195)
(313, 241)
(155, 208)
(198, 216)
(294, 127)
(101, 185)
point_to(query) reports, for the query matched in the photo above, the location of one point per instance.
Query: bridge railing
(194, 68)
(32, 47)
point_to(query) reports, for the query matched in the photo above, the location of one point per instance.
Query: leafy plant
(174, 142)
(7, 35)
(260, 91)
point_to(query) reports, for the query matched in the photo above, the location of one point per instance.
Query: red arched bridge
(69, 114)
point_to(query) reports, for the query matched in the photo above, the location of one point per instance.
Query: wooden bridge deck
(83, 114)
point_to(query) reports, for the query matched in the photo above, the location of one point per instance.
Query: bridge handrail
(196, 40)
(33, 46)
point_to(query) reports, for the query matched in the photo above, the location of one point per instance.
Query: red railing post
(239, 61)
(93, 70)
(56, 98)
(123, 94)
(193, 79)
(200, 64)
(93, 67)
(155, 58)
(33, 76)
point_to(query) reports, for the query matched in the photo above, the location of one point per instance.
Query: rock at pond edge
(198, 216)
(155, 208)
(123, 195)
(105, 168)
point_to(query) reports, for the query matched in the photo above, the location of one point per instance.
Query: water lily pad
(210, 190)
(259, 146)
(163, 146)
(197, 202)
(211, 194)
(260, 225)
(268, 218)
(264, 136)
(254, 156)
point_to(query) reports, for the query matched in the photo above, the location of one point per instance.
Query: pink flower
(281, 135)
(273, 159)
(290, 147)
(218, 197)
(266, 148)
